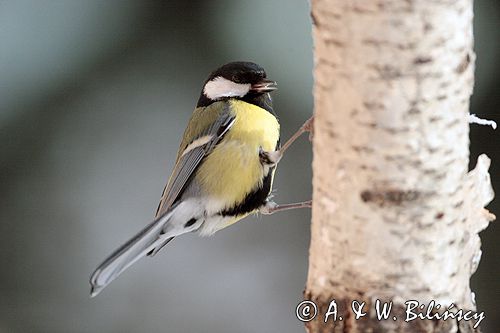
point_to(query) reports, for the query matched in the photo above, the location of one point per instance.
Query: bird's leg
(270, 207)
(308, 126)
(271, 158)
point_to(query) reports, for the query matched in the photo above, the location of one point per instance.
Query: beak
(264, 86)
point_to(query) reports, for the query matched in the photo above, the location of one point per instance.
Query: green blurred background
(94, 96)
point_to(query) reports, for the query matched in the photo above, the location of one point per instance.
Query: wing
(189, 157)
(150, 240)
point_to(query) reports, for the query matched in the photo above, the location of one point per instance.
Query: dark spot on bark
(448, 151)
(406, 46)
(394, 130)
(422, 60)
(439, 216)
(462, 66)
(444, 84)
(335, 42)
(390, 196)
(388, 72)
(314, 19)
(362, 149)
(331, 133)
(432, 150)
(366, 196)
(397, 233)
(371, 42)
(440, 176)
(439, 42)
(373, 105)
(414, 110)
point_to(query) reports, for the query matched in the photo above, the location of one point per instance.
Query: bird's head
(242, 80)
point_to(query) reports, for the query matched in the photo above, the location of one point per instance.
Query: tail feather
(126, 255)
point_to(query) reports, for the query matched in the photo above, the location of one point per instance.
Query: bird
(223, 171)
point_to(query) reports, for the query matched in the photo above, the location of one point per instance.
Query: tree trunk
(396, 215)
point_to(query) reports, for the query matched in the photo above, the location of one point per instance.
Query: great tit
(223, 171)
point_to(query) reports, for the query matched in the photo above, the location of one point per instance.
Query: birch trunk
(396, 214)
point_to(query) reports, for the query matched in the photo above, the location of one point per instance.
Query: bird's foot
(308, 126)
(270, 158)
(271, 207)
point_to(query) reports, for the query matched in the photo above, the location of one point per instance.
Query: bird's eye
(235, 78)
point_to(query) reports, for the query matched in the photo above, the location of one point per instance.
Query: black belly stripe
(253, 200)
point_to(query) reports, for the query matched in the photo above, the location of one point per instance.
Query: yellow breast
(233, 169)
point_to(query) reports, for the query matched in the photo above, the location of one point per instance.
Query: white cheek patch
(221, 87)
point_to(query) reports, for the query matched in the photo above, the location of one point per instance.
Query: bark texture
(396, 214)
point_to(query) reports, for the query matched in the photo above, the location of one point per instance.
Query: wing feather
(150, 239)
(189, 161)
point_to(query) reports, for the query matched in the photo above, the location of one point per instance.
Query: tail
(141, 244)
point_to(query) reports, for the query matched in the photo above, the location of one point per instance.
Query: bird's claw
(309, 127)
(270, 158)
(268, 208)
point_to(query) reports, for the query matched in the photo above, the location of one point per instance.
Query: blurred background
(94, 97)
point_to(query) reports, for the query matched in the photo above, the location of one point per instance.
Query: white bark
(396, 215)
